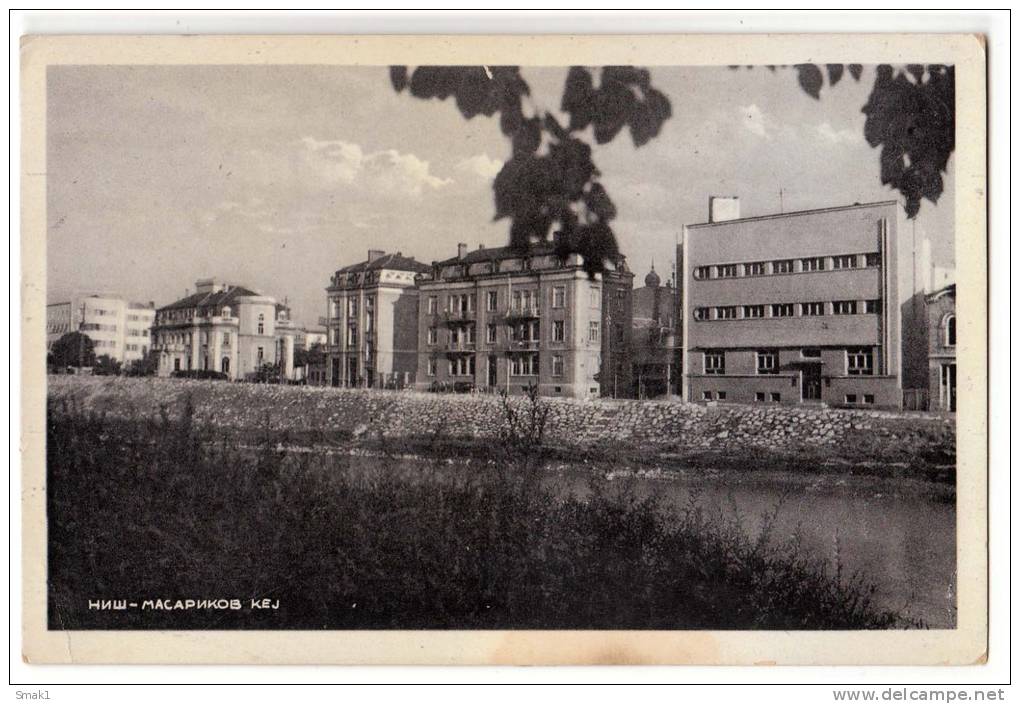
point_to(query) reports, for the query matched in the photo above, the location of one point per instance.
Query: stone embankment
(652, 425)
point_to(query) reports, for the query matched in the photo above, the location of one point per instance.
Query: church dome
(652, 280)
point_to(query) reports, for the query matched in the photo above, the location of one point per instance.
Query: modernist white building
(117, 327)
(226, 328)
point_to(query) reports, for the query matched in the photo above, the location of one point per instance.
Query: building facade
(117, 327)
(496, 319)
(797, 307)
(942, 349)
(225, 328)
(655, 344)
(371, 322)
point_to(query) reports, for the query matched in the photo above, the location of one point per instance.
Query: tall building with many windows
(498, 319)
(798, 307)
(371, 322)
(224, 328)
(118, 328)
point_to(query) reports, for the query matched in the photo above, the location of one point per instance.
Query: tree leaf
(835, 72)
(810, 78)
(398, 77)
(855, 71)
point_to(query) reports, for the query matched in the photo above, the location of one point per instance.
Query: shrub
(206, 374)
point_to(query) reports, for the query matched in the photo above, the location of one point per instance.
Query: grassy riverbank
(142, 508)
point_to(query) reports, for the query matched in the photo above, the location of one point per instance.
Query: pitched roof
(211, 299)
(397, 262)
(489, 254)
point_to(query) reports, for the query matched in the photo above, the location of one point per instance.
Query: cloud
(753, 120)
(844, 136)
(480, 165)
(338, 161)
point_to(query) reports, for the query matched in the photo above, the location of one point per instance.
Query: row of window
(776, 397)
(185, 338)
(520, 299)
(526, 364)
(787, 266)
(859, 361)
(788, 310)
(98, 327)
(522, 332)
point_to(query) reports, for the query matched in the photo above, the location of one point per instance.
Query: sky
(273, 177)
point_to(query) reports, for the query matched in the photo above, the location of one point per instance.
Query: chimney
(461, 250)
(374, 254)
(723, 208)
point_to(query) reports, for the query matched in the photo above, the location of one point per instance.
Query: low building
(809, 306)
(655, 346)
(225, 328)
(372, 322)
(942, 349)
(498, 319)
(118, 328)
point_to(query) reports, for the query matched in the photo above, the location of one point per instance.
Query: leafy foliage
(75, 349)
(911, 115)
(106, 366)
(550, 180)
(146, 366)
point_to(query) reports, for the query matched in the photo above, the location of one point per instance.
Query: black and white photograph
(487, 347)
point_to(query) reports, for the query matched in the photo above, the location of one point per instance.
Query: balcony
(453, 317)
(460, 347)
(522, 345)
(523, 313)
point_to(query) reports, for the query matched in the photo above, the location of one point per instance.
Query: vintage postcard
(504, 349)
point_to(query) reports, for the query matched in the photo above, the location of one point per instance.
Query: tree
(106, 366)
(550, 180)
(911, 115)
(74, 349)
(146, 366)
(303, 357)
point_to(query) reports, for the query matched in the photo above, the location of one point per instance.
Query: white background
(726, 684)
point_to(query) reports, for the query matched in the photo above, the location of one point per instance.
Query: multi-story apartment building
(797, 307)
(498, 319)
(225, 328)
(118, 328)
(942, 349)
(371, 322)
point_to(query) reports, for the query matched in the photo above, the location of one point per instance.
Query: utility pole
(781, 201)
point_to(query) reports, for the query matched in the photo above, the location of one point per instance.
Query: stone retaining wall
(660, 425)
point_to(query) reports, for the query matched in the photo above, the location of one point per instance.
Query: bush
(206, 374)
(146, 508)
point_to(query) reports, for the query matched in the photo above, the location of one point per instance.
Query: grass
(144, 508)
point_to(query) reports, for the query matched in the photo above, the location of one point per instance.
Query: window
(850, 398)
(352, 306)
(951, 331)
(706, 395)
(715, 362)
(593, 331)
(873, 306)
(490, 333)
(559, 297)
(759, 395)
(754, 311)
(558, 331)
(262, 324)
(767, 362)
(703, 272)
(177, 364)
(726, 271)
(782, 310)
(814, 308)
(721, 395)
(782, 266)
(844, 307)
(869, 399)
(226, 339)
(701, 313)
(726, 313)
(352, 335)
(811, 353)
(433, 305)
(812, 264)
(754, 269)
(859, 362)
(596, 297)
(873, 259)
(260, 354)
(557, 365)
(775, 397)
(433, 336)
(845, 261)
